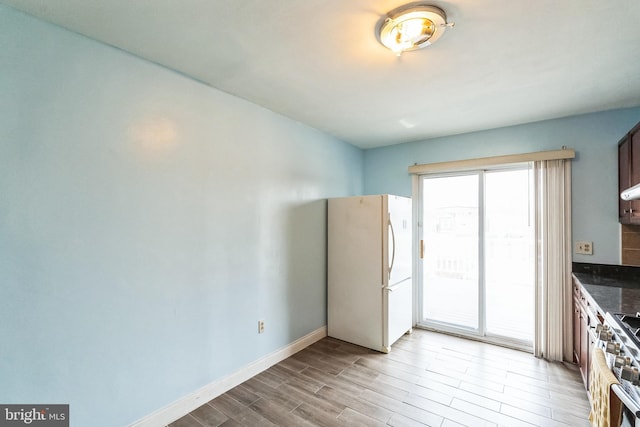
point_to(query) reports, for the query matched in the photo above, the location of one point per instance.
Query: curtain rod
(565, 153)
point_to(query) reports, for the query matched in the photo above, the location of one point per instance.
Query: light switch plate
(584, 248)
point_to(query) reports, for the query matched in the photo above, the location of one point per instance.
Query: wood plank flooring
(428, 379)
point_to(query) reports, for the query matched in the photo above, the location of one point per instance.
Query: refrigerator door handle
(393, 239)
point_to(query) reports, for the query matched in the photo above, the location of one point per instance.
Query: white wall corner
(183, 406)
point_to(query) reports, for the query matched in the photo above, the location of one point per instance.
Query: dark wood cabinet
(584, 346)
(580, 333)
(624, 179)
(577, 317)
(629, 175)
(586, 317)
(592, 343)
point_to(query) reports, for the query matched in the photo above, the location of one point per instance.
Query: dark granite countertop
(614, 288)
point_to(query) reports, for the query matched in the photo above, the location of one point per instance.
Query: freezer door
(354, 310)
(397, 307)
(399, 231)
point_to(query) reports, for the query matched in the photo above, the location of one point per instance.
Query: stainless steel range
(619, 337)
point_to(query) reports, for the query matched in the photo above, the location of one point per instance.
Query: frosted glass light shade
(412, 27)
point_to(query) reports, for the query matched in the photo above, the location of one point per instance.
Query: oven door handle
(626, 400)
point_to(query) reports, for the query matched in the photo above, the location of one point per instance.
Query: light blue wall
(146, 223)
(594, 171)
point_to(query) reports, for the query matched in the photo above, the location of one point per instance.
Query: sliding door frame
(417, 192)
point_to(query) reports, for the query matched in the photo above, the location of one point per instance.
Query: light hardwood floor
(427, 379)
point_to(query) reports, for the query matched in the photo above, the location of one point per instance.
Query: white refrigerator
(369, 301)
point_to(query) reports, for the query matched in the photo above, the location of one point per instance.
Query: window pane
(450, 227)
(509, 255)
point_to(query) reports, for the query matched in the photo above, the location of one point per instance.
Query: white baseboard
(183, 406)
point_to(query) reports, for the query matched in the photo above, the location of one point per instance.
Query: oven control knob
(621, 361)
(603, 332)
(613, 347)
(630, 374)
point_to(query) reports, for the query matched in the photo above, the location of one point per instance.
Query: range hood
(631, 193)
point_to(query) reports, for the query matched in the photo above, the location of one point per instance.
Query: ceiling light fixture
(412, 26)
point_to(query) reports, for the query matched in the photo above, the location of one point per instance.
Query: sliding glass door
(477, 254)
(451, 248)
(509, 255)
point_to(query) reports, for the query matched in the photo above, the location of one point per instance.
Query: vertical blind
(553, 253)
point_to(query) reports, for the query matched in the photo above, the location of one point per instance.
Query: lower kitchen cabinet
(577, 322)
(585, 320)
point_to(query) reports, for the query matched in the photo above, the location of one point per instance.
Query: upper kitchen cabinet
(629, 175)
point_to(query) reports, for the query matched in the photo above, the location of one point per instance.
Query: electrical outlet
(585, 248)
(260, 326)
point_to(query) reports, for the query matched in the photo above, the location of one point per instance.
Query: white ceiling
(318, 61)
